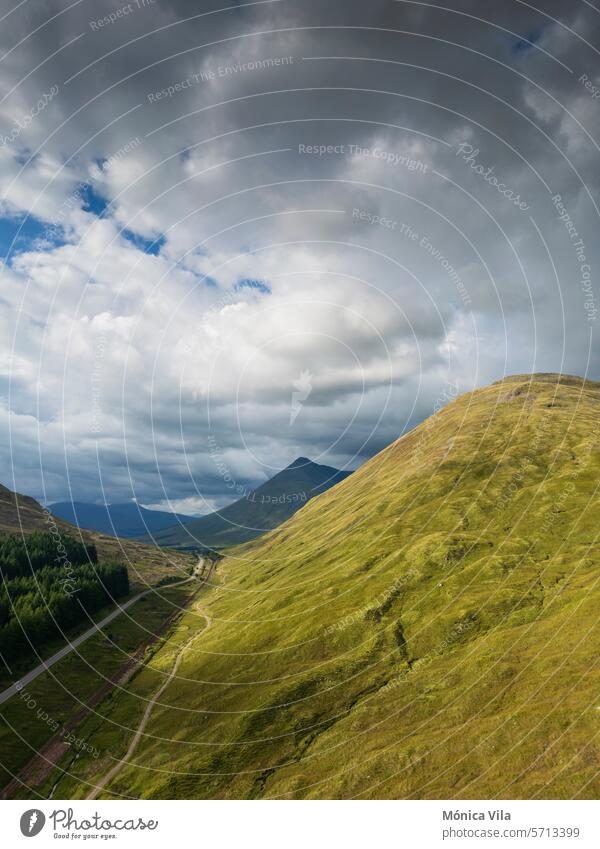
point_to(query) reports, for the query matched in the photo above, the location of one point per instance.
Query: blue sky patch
(259, 285)
(148, 246)
(523, 45)
(93, 201)
(31, 229)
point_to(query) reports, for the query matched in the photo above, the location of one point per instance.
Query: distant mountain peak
(264, 508)
(301, 461)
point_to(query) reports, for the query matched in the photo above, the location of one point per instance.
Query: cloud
(312, 148)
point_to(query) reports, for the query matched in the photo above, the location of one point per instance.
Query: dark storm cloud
(302, 146)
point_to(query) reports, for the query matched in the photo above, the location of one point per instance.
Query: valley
(425, 629)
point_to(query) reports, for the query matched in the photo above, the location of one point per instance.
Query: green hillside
(261, 509)
(427, 628)
(147, 564)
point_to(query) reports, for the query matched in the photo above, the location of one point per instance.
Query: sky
(232, 234)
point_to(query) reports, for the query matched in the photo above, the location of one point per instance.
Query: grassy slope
(147, 564)
(26, 722)
(429, 628)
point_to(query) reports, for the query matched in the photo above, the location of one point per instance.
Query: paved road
(46, 664)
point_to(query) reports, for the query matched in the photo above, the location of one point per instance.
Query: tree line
(42, 594)
(24, 555)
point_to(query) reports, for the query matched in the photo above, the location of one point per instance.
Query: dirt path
(139, 733)
(47, 758)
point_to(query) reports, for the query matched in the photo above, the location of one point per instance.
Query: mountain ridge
(260, 510)
(121, 519)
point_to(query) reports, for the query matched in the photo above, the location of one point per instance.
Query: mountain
(21, 512)
(147, 565)
(122, 520)
(262, 509)
(426, 629)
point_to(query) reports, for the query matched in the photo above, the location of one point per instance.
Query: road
(46, 664)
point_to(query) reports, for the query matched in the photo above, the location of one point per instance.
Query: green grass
(27, 720)
(147, 565)
(28, 662)
(426, 629)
